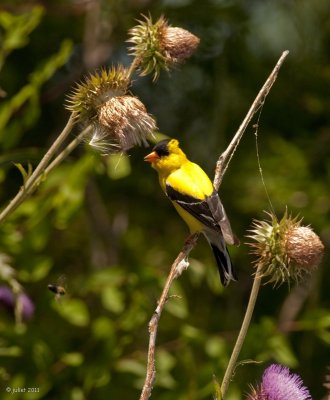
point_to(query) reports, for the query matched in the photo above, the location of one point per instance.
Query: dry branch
(179, 264)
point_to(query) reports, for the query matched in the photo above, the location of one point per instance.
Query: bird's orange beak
(152, 157)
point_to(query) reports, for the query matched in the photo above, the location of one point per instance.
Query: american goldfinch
(194, 197)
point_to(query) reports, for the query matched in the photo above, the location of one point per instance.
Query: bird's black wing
(209, 212)
(220, 216)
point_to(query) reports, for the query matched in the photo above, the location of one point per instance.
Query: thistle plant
(285, 251)
(278, 383)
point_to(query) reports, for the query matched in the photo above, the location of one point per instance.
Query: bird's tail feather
(225, 267)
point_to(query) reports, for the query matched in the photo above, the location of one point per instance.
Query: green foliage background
(106, 226)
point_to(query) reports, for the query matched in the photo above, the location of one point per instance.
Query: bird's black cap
(161, 148)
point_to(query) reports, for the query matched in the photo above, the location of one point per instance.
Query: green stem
(69, 148)
(242, 333)
(31, 182)
(133, 66)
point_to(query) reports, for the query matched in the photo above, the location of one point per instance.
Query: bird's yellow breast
(189, 179)
(192, 181)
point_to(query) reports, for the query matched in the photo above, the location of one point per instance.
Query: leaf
(131, 366)
(12, 351)
(16, 30)
(217, 388)
(74, 311)
(103, 328)
(112, 299)
(73, 359)
(36, 269)
(29, 94)
(25, 174)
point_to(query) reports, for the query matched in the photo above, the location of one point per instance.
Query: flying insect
(58, 288)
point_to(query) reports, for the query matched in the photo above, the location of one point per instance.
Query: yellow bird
(195, 199)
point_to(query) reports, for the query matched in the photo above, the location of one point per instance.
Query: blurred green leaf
(13, 351)
(77, 393)
(176, 303)
(324, 335)
(132, 366)
(36, 271)
(107, 277)
(74, 311)
(68, 187)
(103, 328)
(191, 332)
(215, 346)
(42, 354)
(95, 378)
(29, 94)
(72, 359)
(177, 306)
(17, 28)
(112, 299)
(274, 345)
(316, 319)
(165, 363)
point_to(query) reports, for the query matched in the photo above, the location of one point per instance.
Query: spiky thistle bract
(96, 89)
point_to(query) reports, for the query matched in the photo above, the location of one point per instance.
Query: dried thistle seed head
(158, 46)
(285, 250)
(179, 44)
(98, 88)
(304, 248)
(122, 123)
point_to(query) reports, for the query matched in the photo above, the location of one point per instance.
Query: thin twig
(153, 324)
(224, 159)
(30, 184)
(242, 333)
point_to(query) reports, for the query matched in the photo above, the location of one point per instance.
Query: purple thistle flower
(8, 300)
(278, 383)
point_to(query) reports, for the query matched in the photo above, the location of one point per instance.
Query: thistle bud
(279, 383)
(304, 247)
(122, 123)
(159, 46)
(119, 121)
(285, 250)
